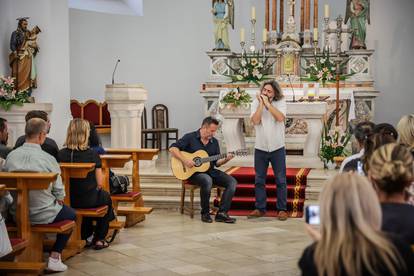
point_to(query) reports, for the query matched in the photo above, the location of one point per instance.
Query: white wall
(53, 59)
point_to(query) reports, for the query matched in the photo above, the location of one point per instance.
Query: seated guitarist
(202, 139)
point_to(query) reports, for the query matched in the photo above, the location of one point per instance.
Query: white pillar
(125, 104)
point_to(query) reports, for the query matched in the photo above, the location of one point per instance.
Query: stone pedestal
(232, 127)
(359, 65)
(125, 104)
(15, 117)
(219, 66)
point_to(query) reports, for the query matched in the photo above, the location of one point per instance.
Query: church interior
(209, 137)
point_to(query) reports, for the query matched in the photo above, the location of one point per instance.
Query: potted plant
(9, 96)
(333, 144)
(236, 99)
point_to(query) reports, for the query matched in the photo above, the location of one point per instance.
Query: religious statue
(23, 44)
(358, 12)
(223, 13)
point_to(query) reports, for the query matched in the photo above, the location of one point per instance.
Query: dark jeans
(261, 162)
(206, 181)
(102, 224)
(66, 213)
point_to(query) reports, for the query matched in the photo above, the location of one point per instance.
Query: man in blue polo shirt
(203, 139)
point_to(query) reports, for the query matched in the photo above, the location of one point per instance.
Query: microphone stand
(113, 73)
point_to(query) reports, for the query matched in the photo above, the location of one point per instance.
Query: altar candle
(264, 35)
(254, 12)
(316, 89)
(315, 34)
(242, 34)
(326, 11)
(305, 89)
(311, 94)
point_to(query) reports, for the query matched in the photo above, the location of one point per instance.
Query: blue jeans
(66, 213)
(277, 159)
(206, 181)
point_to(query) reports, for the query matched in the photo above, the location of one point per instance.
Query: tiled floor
(168, 243)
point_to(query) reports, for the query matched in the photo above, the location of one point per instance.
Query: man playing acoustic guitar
(203, 139)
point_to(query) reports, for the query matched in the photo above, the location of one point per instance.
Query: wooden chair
(187, 185)
(137, 213)
(92, 111)
(160, 120)
(148, 134)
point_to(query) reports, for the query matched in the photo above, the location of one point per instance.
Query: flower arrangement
(333, 142)
(323, 70)
(8, 94)
(236, 98)
(251, 68)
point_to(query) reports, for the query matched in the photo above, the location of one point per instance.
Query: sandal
(103, 245)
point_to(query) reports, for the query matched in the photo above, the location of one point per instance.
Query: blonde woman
(391, 172)
(405, 128)
(87, 193)
(350, 241)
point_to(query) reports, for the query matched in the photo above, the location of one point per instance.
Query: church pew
(77, 170)
(135, 213)
(22, 183)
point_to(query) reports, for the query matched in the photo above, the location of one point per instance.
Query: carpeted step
(247, 190)
(248, 203)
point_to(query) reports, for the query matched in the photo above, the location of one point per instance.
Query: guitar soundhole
(197, 161)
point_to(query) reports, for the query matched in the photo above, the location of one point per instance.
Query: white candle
(326, 10)
(242, 34)
(264, 35)
(317, 90)
(315, 34)
(253, 12)
(305, 89)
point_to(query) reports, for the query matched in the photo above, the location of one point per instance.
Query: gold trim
(296, 197)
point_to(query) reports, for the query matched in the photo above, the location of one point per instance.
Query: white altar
(311, 112)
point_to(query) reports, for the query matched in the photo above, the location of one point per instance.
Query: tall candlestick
(315, 14)
(315, 34)
(242, 35)
(307, 15)
(267, 14)
(326, 14)
(302, 15)
(281, 14)
(274, 15)
(253, 12)
(264, 35)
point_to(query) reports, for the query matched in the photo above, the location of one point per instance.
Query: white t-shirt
(270, 134)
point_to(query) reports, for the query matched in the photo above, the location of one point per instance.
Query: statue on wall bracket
(223, 16)
(357, 12)
(24, 48)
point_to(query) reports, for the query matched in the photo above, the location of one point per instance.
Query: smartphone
(360, 169)
(312, 214)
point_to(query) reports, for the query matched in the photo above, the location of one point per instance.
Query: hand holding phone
(312, 215)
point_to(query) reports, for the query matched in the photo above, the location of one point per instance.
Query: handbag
(118, 184)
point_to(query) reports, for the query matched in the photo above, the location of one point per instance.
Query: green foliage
(8, 94)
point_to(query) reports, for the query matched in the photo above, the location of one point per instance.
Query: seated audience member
(350, 241)
(405, 128)
(386, 129)
(373, 142)
(45, 206)
(49, 145)
(88, 192)
(5, 201)
(391, 172)
(4, 137)
(362, 131)
(94, 140)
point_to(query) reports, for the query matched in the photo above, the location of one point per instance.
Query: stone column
(16, 122)
(125, 104)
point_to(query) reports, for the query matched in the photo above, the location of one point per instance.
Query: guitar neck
(213, 158)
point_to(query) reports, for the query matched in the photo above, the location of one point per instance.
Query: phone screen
(312, 215)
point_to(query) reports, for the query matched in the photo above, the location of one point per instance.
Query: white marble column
(15, 117)
(125, 104)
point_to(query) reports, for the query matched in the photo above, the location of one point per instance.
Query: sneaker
(224, 217)
(206, 218)
(256, 214)
(56, 265)
(282, 215)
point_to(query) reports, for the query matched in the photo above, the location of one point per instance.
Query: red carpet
(244, 199)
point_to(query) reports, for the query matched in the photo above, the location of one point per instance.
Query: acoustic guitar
(202, 162)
